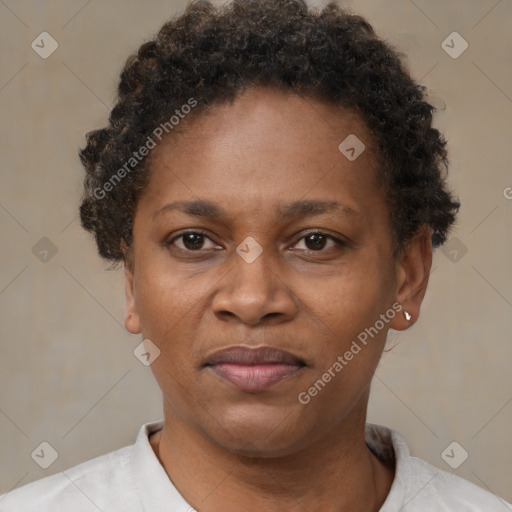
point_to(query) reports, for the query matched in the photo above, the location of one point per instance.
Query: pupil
(318, 241)
(193, 241)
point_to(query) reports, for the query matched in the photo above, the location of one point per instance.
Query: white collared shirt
(132, 479)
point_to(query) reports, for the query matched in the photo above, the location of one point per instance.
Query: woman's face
(252, 274)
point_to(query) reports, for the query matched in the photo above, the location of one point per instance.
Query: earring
(407, 316)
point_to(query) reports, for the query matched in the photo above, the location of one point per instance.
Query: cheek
(168, 307)
(349, 299)
(166, 299)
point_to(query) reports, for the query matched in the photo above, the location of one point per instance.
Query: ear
(412, 274)
(132, 319)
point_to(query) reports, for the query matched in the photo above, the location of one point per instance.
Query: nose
(253, 293)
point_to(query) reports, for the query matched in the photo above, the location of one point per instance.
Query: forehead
(263, 146)
(259, 112)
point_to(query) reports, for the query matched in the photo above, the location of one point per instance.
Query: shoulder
(447, 491)
(80, 488)
(420, 486)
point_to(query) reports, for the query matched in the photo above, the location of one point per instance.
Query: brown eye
(192, 241)
(315, 241)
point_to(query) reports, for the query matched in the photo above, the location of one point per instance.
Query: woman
(272, 184)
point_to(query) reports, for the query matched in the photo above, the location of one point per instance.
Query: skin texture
(231, 450)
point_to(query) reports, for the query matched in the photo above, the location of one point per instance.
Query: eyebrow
(289, 211)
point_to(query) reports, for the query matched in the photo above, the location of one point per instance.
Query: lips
(253, 356)
(254, 369)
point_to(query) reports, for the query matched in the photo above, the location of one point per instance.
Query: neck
(338, 472)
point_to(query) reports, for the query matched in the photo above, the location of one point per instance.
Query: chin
(257, 431)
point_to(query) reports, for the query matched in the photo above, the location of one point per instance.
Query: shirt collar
(390, 446)
(410, 479)
(158, 494)
(154, 487)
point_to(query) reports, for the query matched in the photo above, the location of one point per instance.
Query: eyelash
(337, 241)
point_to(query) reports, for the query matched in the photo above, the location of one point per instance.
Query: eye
(195, 241)
(192, 241)
(318, 241)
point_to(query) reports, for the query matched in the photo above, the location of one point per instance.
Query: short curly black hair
(210, 54)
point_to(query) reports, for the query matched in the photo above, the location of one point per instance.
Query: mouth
(254, 369)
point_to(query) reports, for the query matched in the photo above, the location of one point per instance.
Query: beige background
(67, 372)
